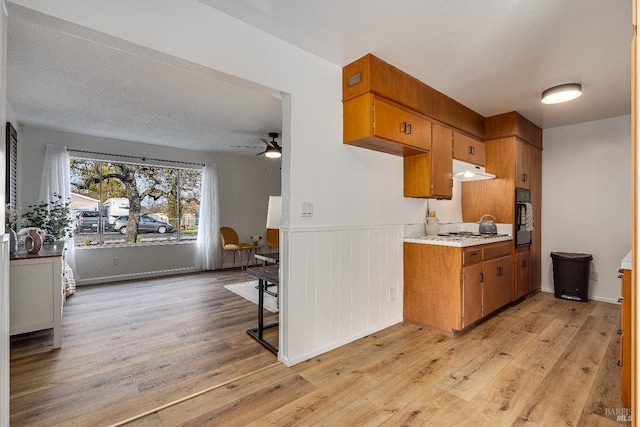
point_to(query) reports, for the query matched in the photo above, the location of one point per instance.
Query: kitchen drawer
(471, 255)
(497, 250)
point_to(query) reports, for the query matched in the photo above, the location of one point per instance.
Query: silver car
(146, 224)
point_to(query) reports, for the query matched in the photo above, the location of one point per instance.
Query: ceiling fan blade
(268, 143)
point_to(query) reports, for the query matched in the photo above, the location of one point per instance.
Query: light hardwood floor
(133, 346)
(543, 362)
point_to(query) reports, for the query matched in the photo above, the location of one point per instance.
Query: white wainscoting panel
(4, 330)
(339, 284)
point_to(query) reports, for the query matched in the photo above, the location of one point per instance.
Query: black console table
(267, 274)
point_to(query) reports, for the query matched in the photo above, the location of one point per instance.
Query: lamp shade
(561, 93)
(274, 212)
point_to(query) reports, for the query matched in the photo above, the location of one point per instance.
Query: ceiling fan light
(561, 93)
(272, 153)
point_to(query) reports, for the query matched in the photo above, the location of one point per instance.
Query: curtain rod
(141, 158)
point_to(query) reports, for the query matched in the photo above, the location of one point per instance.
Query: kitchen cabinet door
(468, 149)
(471, 294)
(377, 124)
(523, 159)
(522, 273)
(496, 285)
(441, 161)
(431, 174)
(536, 199)
(400, 125)
(625, 340)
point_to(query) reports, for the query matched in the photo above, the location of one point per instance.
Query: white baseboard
(144, 275)
(594, 298)
(336, 344)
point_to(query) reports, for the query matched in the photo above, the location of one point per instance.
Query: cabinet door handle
(472, 150)
(499, 271)
(524, 177)
(404, 127)
(481, 277)
(451, 183)
(409, 126)
(524, 263)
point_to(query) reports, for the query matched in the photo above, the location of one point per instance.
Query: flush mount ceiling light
(561, 93)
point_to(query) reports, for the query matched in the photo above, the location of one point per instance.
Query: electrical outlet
(116, 260)
(392, 294)
(306, 209)
(594, 275)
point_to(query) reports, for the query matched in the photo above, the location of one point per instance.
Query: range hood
(469, 172)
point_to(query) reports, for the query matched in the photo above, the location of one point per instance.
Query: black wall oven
(524, 218)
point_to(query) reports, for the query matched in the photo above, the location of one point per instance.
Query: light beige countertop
(415, 233)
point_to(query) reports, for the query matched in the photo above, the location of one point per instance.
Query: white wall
(4, 253)
(350, 188)
(586, 199)
(244, 183)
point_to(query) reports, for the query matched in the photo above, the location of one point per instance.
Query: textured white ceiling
(63, 82)
(494, 56)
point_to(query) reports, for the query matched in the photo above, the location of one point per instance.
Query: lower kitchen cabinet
(522, 274)
(496, 284)
(471, 294)
(452, 287)
(625, 340)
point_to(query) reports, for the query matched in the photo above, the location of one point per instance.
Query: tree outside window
(154, 203)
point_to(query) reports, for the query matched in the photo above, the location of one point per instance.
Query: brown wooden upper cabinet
(430, 175)
(468, 149)
(387, 110)
(523, 161)
(376, 123)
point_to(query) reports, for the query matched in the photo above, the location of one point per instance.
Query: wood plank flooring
(133, 346)
(543, 362)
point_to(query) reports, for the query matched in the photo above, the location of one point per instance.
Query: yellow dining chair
(272, 238)
(231, 242)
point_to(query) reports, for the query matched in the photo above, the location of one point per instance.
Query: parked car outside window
(146, 224)
(88, 221)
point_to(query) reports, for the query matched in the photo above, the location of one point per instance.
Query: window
(116, 203)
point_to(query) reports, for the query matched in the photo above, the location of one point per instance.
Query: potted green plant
(54, 217)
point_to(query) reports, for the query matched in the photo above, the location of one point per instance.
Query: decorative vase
(13, 240)
(33, 242)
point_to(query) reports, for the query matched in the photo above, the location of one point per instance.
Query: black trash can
(571, 275)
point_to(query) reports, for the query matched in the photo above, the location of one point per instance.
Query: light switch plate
(306, 209)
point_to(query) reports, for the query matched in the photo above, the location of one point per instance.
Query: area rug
(249, 291)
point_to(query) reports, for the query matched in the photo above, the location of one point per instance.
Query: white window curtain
(208, 246)
(56, 179)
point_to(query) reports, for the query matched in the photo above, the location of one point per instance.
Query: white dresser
(36, 292)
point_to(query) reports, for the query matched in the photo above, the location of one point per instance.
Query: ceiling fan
(273, 150)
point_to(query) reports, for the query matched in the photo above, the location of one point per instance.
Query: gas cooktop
(461, 238)
(469, 234)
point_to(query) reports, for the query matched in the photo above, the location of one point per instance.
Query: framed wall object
(11, 185)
